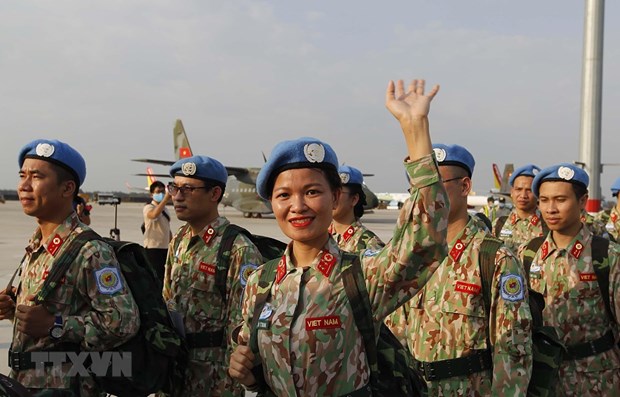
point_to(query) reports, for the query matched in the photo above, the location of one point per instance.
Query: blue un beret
(526, 170)
(55, 152)
(564, 172)
(200, 167)
(454, 155)
(615, 188)
(350, 175)
(299, 153)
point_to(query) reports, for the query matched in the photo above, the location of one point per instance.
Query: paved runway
(16, 228)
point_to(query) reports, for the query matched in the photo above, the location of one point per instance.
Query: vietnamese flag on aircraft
(184, 152)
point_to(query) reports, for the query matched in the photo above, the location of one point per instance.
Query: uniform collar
(324, 263)
(209, 232)
(463, 239)
(348, 233)
(576, 247)
(56, 238)
(534, 219)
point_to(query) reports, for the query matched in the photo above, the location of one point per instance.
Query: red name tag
(207, 268)
(587, 276)
(467, 288)
(328, 322)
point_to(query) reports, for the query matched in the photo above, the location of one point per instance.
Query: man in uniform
(346, 228)
(562, 270)
(613, 227)
(207, 313)
(459, 346)
(524, 221)
(86, 311)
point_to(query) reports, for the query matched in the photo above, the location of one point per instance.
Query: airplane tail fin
(497, 177)
(181, 143)
(500, 180)
(150, 178)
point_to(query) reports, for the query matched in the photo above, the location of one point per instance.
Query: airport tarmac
(16, 228)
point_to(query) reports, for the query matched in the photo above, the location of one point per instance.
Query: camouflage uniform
(447, 320)
(517, 231)
(356, 238)
(574, 306)
(93, 320)
(189, 289)
(312, 346)
(596, 223)
(613, 227)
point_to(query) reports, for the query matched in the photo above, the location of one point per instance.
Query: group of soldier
(292, 332)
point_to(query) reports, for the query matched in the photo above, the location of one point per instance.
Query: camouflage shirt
(447, 319)
(96, 317)
(596, 223)
(574, 306)
(517, 231)
(189, 289)
(613, 226)
(356, 238)
(311, 346)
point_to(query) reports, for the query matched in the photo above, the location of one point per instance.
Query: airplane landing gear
(257, 215)
(247, 214)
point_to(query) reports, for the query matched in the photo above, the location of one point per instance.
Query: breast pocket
(464, 319)
(585, 298)
(60, 301)
(205, 301)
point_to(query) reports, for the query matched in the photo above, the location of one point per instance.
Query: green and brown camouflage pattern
(596, 223)
(447, 320)
(517, 231)
(93, 320)
(575, 308)
(330, 362)
(357, 238)
(613, 224)
(193, 293)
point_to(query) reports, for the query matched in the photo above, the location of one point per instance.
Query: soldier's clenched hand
(7, 305)
(34, 321)
(241, 364)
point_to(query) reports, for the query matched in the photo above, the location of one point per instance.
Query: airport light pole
(591, 99)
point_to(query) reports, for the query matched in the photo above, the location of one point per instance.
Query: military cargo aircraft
(241, 184)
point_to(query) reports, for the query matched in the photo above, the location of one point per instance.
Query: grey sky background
(110, 78)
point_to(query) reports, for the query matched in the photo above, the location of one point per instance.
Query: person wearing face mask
(157, 233)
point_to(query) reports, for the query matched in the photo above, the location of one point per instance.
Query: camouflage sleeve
(245, 259)
(404, 265)
(614, 280)
(615, 221)
(247, 309)
(510, 327)
(113, 316)
(370, 241)
(166, 292)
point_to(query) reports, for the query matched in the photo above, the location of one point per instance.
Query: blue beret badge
(440, 154)
(44, 150)
(566, 173)
(314, 152)
(188, 168)
(344, 177)
(245, 272)
(108, 280)
(511, 287)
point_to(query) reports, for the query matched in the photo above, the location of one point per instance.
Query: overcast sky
(110, 78)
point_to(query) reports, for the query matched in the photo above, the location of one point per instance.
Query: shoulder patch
(511, 287)
(371, 252)
(108, 280)
(245, 272)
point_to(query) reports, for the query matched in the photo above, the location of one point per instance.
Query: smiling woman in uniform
(306, 341)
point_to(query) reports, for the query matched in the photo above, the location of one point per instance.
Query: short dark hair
(358, 210)
(155, 185)
(64, 175)
(211, 183)
(579, 190)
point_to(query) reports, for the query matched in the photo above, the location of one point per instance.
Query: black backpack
(156, 348)
(391, 369)
(547, 349)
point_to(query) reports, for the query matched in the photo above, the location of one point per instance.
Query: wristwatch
(57, 329)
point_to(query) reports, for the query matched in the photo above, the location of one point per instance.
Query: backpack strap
(499, 224)
(530, 252)
(223, 256)
(600, 252)
(62, 263)
(355, 288)
(486, 261)
(265, 282)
